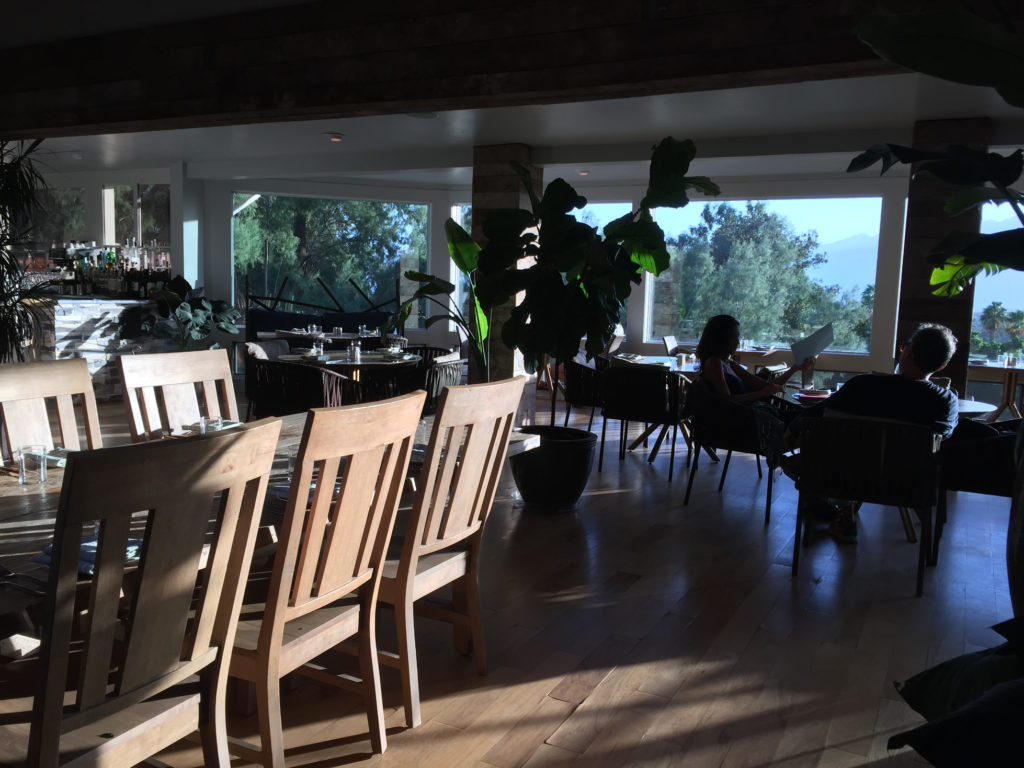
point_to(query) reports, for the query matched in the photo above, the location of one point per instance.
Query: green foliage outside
(60, 218)
(750, 263)
(1000, 332)
(155, 204)
(301, 239)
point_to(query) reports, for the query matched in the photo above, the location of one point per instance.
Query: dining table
(28, 516)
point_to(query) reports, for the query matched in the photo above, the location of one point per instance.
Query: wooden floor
(634, 631)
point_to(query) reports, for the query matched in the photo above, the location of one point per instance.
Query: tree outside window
(357, 249)
(748, 260)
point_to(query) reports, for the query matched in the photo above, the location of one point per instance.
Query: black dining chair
(582, 389)
(651, 395)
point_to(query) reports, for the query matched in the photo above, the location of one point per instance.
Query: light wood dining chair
(349, 473)
(140, 673)
(441, 543)
(26, 389)
(162, 391)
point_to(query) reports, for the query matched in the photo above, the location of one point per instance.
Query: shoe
(825, 512)
(843, 531)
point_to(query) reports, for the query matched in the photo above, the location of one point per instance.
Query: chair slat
(103, 607)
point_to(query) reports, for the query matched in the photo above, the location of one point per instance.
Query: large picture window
(783, 268)
(322, 250)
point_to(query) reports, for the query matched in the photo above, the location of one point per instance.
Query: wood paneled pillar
(927, 224)
(496, 185)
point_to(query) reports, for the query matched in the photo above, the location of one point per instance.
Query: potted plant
(22, 307)
(573, 282)
(181, 314)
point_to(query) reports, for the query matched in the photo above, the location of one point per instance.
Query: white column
(186, 217)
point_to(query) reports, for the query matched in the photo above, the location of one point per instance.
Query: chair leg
(725, 468)
(940, 521)
(693, 471)
(768, 499)
(213, 730)
(369, 669)
(623, 434)
(600, 454)
(473, 616)
(590, 422)
(908, 525)
(672, 453)
(408, 665)
(925, 549)
(757, 460)
(268, 710)
(568, 409)
(797, 533)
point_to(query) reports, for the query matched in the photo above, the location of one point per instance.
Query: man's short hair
(932, 346)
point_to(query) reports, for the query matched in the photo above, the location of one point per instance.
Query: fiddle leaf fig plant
(573, 280)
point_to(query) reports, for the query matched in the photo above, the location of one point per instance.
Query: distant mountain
(850, 263)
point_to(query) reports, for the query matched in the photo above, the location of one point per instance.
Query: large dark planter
(556, 471)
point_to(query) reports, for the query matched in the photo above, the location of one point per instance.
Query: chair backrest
(180, 617)
(160, 390)
(349, 474)
(443, 371)
(281, 388)
(670, 344)
(872, 460)
(648, 393)
(461, 468)
(718, 422)
(26, 388)
(582, 384)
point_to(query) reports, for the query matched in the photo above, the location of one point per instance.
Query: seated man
(907, 396)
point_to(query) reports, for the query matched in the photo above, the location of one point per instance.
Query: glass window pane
(357, 249)
(997, 326)
(61, 218)
(155, 200)
(124, 214)
(783, 268)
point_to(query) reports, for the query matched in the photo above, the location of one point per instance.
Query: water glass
(338, 331)
(312, 328)
(31, 464)
(318, 347)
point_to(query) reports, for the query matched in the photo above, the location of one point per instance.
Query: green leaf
(951, 44)
(461, 246)
(965, 199)
(527, 182)
(1004, 249)
(668, 182)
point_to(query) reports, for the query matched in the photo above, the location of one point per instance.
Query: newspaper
(813, 345)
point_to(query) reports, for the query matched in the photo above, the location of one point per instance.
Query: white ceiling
(803, 128)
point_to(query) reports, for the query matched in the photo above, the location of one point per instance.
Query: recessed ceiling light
(335, 136)
(583, 173)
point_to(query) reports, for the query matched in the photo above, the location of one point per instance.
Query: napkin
(87, 554)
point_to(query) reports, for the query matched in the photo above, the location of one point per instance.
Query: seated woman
(718, 341)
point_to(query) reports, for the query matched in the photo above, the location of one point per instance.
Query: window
(783, 268)
(142, 212)
(61, 218)
(314, 250)
(997, 326)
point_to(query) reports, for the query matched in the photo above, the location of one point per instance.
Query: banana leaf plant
(465, 254)
(955, 44)
(576, 280)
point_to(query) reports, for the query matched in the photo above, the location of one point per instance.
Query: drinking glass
(313, 328)
(32, 464)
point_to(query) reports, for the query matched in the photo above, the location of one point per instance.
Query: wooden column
(927, 224)
(496, 185)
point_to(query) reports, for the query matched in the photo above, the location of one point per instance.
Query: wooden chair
(26, 388)
(349, 473)
(148, 670)
(441, 543)
(869, 461)
(280, 388)
(160, 390)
